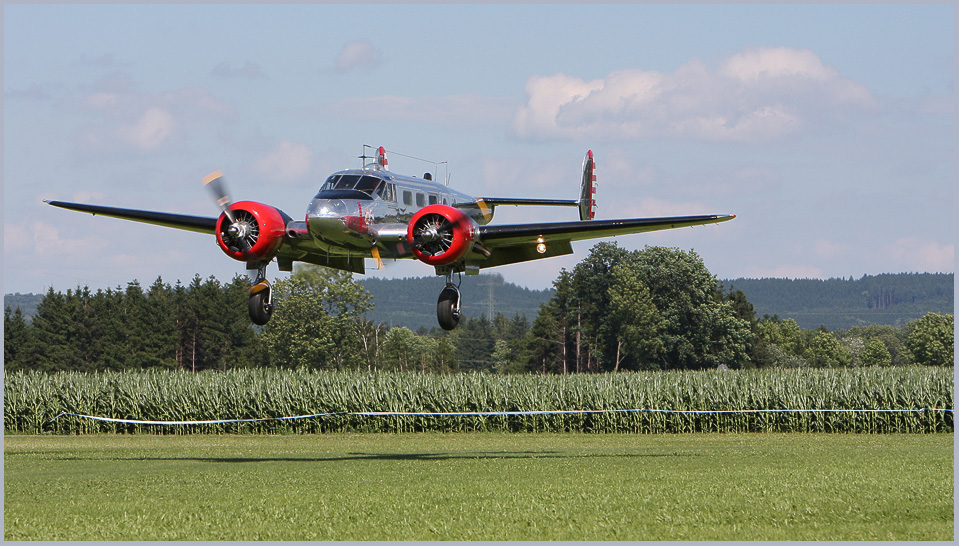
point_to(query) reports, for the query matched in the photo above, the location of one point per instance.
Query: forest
(652, 309)
(892, 299)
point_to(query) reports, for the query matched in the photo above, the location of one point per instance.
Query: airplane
(372, 212)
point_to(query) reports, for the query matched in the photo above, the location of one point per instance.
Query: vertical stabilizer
(587, 195)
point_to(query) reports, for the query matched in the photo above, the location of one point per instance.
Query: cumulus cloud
(756, 94)
(286, 162)
(828, 249)
(150, 131)
(913, 254)
(127, 119)
(358, 54)
(43, 240)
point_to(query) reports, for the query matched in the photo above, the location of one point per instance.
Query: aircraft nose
(333, 208)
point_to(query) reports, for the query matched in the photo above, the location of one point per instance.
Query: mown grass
(479, 486)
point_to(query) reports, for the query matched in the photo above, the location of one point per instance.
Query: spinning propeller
(243, 231)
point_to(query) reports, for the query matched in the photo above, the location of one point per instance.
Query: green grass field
(479, 486)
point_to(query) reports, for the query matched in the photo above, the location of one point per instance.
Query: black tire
(260, 308)
(447, 308)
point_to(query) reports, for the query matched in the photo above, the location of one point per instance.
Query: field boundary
(480, 414)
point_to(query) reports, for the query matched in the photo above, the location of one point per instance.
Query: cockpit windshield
(370, 185)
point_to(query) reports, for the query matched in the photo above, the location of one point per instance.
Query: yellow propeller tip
(212, 176)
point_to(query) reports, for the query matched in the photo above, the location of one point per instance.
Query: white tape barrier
(484, 414)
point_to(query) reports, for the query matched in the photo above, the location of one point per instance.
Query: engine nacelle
(261, 226)
(441, 235)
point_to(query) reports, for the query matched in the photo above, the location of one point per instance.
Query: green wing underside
(519, 243)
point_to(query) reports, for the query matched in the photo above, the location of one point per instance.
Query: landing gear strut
(448, 304)
(261, 298)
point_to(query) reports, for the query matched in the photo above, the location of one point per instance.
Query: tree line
(843, 303)
(652, 309)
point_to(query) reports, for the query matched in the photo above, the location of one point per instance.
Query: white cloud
(773, 62)
(127, 119)
(16, 239)
(358, 54)
(44, 241)
(286, 162)
(828, 249)
(913, 254)
(153, 128)
(757, 94)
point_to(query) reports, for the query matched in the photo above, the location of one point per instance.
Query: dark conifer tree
(16, 346)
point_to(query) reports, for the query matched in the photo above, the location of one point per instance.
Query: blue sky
(829, 130)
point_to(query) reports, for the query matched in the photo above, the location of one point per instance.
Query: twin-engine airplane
(374, 213)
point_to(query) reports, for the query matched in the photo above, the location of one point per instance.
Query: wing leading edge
(200, 224)
(520, 242)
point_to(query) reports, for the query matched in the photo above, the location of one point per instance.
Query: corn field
(33, 400)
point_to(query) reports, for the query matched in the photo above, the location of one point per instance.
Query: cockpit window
(370, 185)
(330, 182)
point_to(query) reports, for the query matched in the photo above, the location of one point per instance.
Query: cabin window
(432, 199)
(407, 198)
(389, 193)
(420, 200)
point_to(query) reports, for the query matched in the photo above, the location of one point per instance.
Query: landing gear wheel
(448, 307)
(261, 304)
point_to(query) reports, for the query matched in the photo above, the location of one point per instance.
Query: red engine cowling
(440, 234)
(261, 226)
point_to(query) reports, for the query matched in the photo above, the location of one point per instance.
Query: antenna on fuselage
(381, 151)
(364, 157)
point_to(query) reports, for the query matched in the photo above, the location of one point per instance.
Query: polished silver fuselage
(357, 210)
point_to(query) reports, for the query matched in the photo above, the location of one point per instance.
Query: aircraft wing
(200, 224)
(493, 201)
(518, 243)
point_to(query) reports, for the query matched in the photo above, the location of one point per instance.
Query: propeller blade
(214, 181)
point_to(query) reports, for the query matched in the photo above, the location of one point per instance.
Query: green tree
(931, 340)
(592, 282)
(826, 351)
(444, 355)
(475, 341)
(370, 338)
(892, 337)
(161, 344)
(700, 328)
(318, 311)
(108, 331)
(635, 322)
(545, 342)
(566, 310)
(54, 333)
(16, 346)
(400, 349)
(875, 353)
